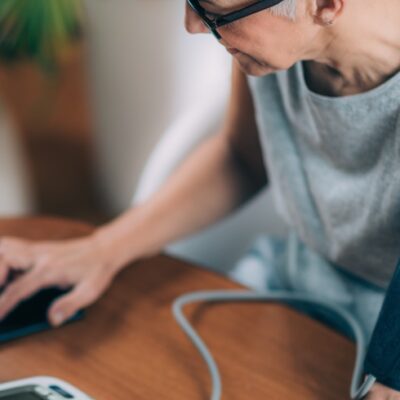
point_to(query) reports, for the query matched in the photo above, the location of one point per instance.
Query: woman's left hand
(381, 392)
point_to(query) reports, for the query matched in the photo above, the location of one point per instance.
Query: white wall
(145, 72)
(15, 191)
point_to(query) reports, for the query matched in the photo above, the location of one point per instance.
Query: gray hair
(287, 8)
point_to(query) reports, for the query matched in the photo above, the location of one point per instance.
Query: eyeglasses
(213, 22)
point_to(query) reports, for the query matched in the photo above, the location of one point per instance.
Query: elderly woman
(315, 110)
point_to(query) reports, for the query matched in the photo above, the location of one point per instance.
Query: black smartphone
(30, 316)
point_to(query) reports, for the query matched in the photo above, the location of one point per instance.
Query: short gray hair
(287, 8)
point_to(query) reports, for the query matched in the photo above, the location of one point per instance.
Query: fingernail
(57, 318)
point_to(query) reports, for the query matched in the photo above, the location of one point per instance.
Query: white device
(40, 388)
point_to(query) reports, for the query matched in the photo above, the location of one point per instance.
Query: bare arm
(218, 177)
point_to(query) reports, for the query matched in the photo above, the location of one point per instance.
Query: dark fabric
(383, 355)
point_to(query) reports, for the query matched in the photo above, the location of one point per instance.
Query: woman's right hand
(80, 264)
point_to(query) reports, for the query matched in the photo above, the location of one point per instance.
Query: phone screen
(30, 316)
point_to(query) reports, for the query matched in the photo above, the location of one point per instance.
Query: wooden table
(129, 347)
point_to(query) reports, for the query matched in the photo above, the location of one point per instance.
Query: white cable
(356, 392)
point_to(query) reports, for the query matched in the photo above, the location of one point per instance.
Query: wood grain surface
(129, 347)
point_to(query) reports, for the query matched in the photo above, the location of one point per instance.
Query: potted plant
(35, 32)
(38, 30)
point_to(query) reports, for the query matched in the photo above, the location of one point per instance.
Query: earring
(327, 22)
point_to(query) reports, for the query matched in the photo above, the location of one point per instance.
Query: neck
(362, 49)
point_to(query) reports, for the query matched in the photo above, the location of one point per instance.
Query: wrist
(119, 245)
(108, 247)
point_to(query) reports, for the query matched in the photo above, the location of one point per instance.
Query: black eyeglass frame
(221, 20)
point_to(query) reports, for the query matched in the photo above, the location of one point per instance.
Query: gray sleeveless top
(334, 166)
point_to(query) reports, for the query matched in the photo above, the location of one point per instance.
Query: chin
(253, 67)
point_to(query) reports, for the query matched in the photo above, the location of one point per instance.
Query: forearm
(209, 185)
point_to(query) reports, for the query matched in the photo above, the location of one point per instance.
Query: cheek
(279, 48)
(279, 54)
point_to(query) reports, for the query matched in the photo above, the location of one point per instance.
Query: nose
(193, 23)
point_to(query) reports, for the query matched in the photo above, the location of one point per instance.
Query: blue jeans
(278, 264)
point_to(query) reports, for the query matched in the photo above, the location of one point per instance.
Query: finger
(16, 253)
(372, 395)
(83, 295)
(3, 269)
(20, 290)
(3, 272)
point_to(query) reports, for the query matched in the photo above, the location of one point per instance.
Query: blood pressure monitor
(40, 388)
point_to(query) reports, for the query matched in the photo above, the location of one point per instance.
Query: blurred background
(99, 102)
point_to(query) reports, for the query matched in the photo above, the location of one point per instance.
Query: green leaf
(38, 29)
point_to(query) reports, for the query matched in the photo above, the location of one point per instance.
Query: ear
(327, 11)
